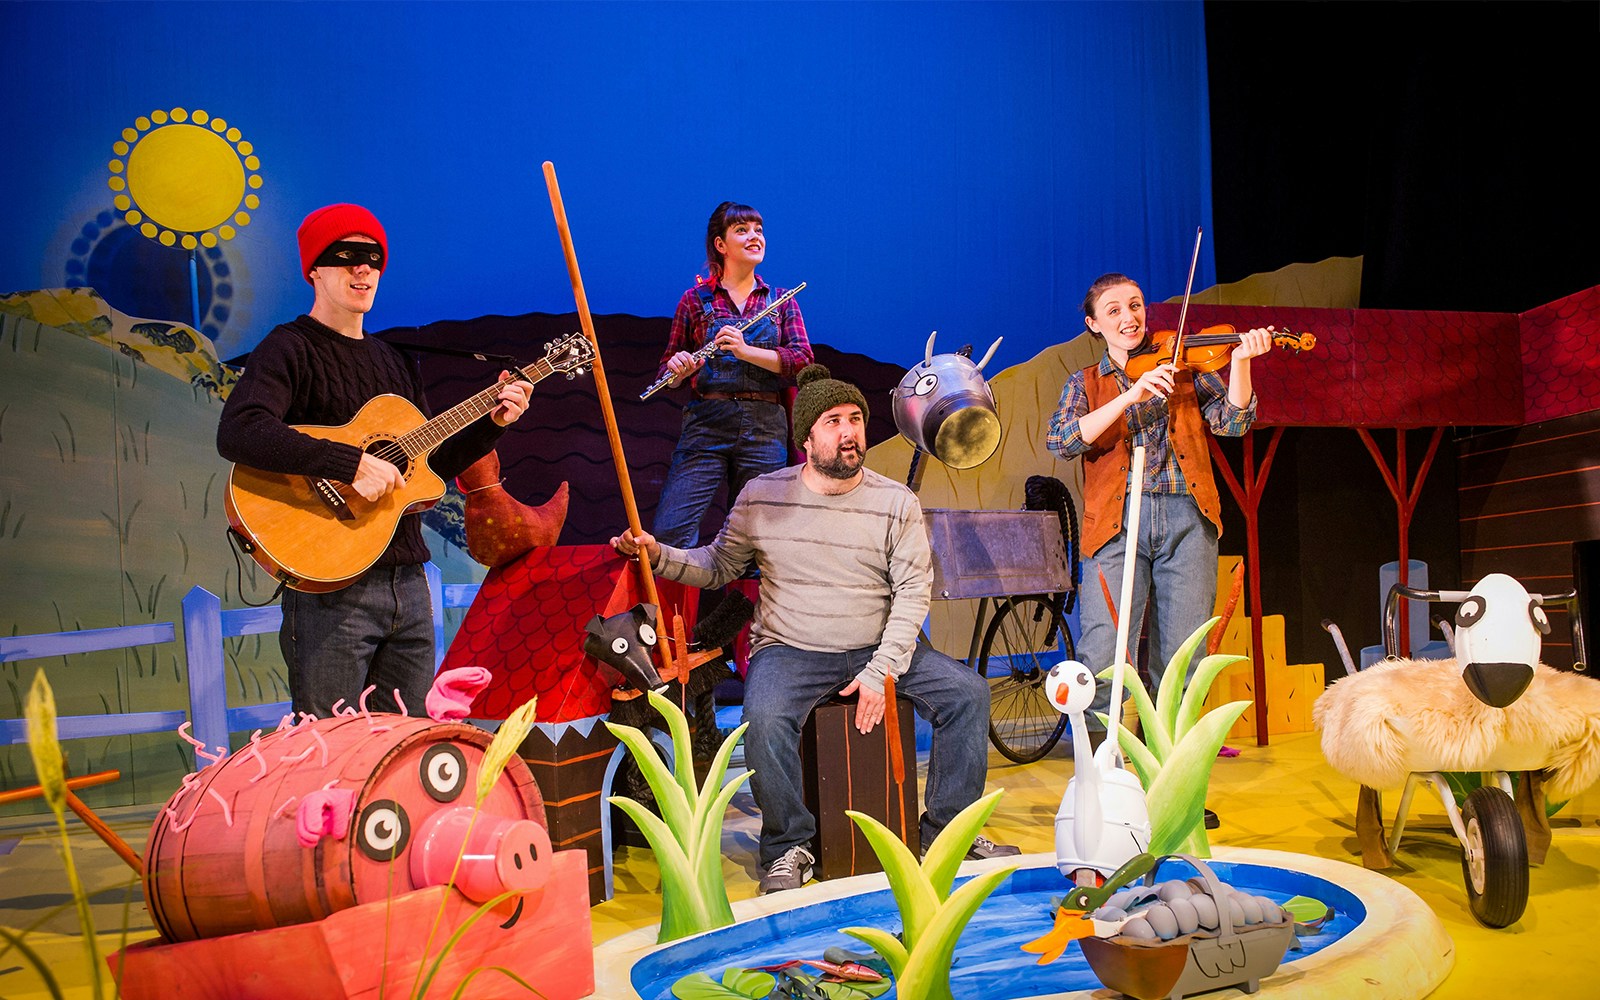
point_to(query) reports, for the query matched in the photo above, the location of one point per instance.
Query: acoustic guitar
(317, 535)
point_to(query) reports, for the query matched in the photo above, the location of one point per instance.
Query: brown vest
(1106, 463)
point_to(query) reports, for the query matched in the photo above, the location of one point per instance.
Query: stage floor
(1283, 797)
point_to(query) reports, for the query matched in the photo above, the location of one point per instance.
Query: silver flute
(710, 347)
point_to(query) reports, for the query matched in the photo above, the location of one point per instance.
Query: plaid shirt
(689, 325)
(1147, 423)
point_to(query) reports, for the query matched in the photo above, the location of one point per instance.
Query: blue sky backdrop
(966, 167)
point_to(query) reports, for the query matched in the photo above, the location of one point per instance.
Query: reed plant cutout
(931, 916)
(1180, 745)
(45, 747)
(495, 758)
(687, 836)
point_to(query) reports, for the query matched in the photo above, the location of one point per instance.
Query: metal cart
(1014, 562)
(1494, 843)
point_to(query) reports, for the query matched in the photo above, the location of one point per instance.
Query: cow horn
(990, 353)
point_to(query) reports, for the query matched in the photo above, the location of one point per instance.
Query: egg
(1187, 915)
(1162, 921)
(1138, 928)
(1234, 909)
(1271, 912)
(1168, 891)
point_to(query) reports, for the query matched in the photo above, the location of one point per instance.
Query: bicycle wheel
(1020, 646)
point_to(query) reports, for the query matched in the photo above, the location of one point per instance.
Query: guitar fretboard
(421, 440)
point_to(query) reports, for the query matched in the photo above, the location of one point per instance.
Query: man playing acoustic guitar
(319, 370)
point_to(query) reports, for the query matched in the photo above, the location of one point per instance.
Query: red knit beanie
(332, 223)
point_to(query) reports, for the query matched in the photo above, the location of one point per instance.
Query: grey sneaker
(791, 871)
(983, 847)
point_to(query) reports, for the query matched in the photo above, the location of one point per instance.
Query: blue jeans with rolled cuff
(1175, 573)
(785, 684)
(377, 631)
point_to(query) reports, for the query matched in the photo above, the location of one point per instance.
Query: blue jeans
(1175, 572)
(723, 440)
(785, 684)
(378, 631)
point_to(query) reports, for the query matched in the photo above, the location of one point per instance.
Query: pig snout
(497, 854)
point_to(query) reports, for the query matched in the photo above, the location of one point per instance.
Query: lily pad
(1309, 914)
(737, 984)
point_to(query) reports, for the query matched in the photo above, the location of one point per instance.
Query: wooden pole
(647, 577)
(105, 833)
(90, 819)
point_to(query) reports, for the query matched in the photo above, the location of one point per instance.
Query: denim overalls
(732, 440)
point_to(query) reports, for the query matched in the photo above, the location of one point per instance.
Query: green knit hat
(819, 393)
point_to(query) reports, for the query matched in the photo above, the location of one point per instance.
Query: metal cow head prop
(624, 642)
(943, 406)
(1499, 630)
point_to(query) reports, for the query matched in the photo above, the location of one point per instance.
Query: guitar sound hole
(386, 449)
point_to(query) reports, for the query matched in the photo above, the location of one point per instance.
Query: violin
(1206, 351)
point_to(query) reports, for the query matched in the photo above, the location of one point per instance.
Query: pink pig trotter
(497, 854)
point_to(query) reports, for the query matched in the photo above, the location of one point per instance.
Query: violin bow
(1183, 314)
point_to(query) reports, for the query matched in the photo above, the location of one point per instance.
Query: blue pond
(990, 962)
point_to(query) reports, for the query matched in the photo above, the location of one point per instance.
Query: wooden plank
(90, 640)
(1544, 430)
(1528, 494)
(1565, 523)
(1534, 565)
(266, 716)
(1532, 455)
(251, 621)
(79, 727)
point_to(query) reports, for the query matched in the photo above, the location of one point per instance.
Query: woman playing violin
(1169, 409)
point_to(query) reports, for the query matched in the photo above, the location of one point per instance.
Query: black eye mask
(350, 253)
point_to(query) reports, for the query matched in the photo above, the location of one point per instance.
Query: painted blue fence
(205, 625)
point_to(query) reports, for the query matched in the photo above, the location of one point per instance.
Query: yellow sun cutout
(183, 177)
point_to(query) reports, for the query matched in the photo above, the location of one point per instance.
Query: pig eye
(444, 772)
(1540, 621)
(1470, 612)
(647, 635)
(926, 384)
(383, 830)
(619, 645)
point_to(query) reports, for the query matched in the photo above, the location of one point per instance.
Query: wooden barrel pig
(334, 813)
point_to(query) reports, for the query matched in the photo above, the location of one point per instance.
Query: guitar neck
(422, 440)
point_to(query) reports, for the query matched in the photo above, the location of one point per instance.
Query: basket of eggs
(1184, 936)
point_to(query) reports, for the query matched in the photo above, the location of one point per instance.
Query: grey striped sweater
(842, 572)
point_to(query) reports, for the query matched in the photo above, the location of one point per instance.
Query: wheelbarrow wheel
(1495, 862)
(1023, 642)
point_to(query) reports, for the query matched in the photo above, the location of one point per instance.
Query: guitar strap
(454, 352)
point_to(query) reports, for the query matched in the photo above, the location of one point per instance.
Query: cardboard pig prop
(336, 857)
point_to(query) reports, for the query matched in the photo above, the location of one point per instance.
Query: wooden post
(1406, 494)
(1248, 496)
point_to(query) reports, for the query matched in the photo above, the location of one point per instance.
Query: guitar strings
(401, 447)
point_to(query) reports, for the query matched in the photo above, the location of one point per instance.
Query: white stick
(1130, 530)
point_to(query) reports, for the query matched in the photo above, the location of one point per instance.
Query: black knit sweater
(304, 372)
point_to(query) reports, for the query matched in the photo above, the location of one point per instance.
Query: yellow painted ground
(1283, 797)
